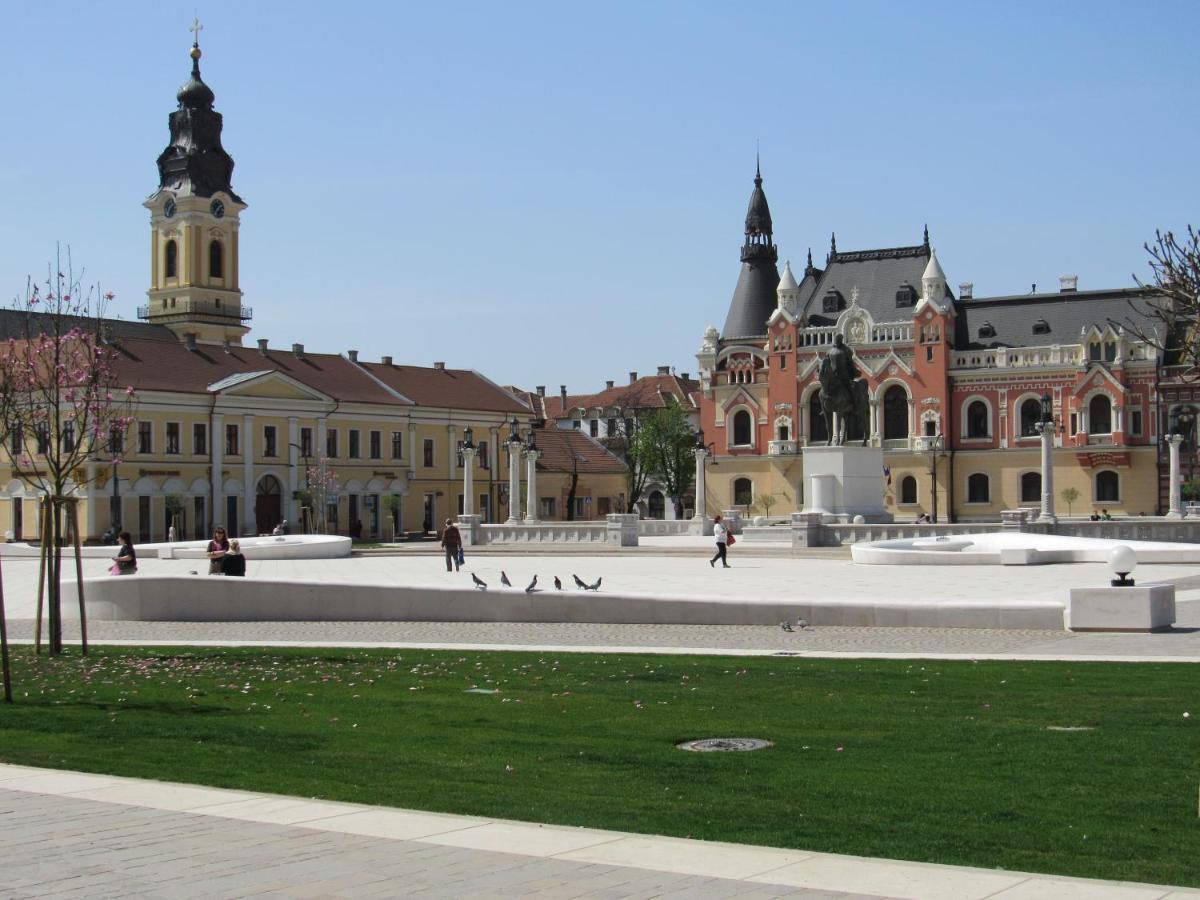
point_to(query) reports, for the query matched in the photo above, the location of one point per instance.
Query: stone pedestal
(806, 529)
(845, 482)
(622, 529)
(1175, 510)
(467, 525)
(1149, 607)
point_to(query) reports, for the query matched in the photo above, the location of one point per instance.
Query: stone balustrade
(617, 529)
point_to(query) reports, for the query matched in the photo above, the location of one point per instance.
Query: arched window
(1031, 487)
(172, 259)
(978, 489)
(1031, 415)
(657, 505)
(977, 420)
(784, 430)
(743, 492)
(1108, 487)
(816, 420)
(741, 428)
(908, 489)
(1100, 415)
(216, 260)
(895, 413)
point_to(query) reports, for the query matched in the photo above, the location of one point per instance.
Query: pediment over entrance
(269, 383)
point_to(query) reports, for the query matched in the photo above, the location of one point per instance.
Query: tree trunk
(54, 582)
(7, 671)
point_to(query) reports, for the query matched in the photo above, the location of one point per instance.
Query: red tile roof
(452, 388)
(648, 392)
(561, 449)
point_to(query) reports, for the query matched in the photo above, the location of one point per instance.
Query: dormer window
(986, 330)
(832, 301)
(906, 295)
(1041, 326)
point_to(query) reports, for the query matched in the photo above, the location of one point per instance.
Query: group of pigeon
(533, 588)
(800, 623)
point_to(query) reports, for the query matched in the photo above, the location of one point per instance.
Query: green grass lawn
(950, 762)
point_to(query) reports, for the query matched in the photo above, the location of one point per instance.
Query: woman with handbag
(724, 539)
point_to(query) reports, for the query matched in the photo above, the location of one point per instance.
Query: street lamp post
(937, 448)
(468, 454)
(1046, 429)
(1174, 439)
(701, 453)
(531, 500)
(514, 473)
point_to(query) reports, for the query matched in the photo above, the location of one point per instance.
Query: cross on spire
(195, 28)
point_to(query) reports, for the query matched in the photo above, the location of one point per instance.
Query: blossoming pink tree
(63, 407)
(323, 486)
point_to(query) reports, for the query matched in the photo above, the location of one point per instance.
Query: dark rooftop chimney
(387, 360)
(686, 376)
(966, 290)
(632, 377)
(189, 341)
(541, 390)
(227, 345)
(608, 385)
(353, 354)
(440, 366)
(562, 392)
(298, 350)
(1068, 284)
(664, 370)
(262, 346)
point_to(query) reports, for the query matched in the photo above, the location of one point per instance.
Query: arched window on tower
(216, 259)
(741, 428)
(171, 267)
(1100, 415)
(895, 413)
(1031, 415)
(977, 420)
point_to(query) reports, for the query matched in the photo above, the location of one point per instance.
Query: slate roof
(754, 299)
(1066, 313)
(14, 322)
(558, 447)
(877, 274)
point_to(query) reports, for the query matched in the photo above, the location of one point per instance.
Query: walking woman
(721, 533)
(126, 559)
(216, 551)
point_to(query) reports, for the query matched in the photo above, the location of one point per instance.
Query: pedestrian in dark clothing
(233, 562)
(126, 558)
(451, 543)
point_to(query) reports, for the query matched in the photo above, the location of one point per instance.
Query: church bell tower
(194, 219)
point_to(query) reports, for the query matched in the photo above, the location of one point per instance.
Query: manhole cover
(724, 745)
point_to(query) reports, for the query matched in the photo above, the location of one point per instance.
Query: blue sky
(554, 192)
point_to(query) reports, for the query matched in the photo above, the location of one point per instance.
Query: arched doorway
(657, 504)
(268, 504)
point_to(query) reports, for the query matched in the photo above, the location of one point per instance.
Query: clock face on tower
(217, 209)
(169, 209)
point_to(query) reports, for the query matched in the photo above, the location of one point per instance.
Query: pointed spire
(808, 267)
(934, 268)
(787, 281)
(832, 255)
(758, 213)
(926, 241)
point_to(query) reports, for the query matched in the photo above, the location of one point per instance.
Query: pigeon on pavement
(802, 623)
(593, 587)
(786, 625)
(579, 583)
(557, 583)
(532, 586)
(479, 582)
(504, 579)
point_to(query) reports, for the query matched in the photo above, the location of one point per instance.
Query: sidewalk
(80, 835)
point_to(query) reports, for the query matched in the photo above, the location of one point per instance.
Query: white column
(876, 441)
(249, 523)
(1176, 503)
(531, 500)
(469, 481)
(701, 455)
(912, 423)
(217, 513)
(514, 483)
(1047, 429)
(293, 503)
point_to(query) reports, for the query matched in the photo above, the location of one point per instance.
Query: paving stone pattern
(71, 848)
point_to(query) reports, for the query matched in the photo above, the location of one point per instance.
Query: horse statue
(844, 393)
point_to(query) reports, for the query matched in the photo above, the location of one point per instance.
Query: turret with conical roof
(754, 298)
(194, 220)
(194, 162)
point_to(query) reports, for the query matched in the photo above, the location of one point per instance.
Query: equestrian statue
(843, 392)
